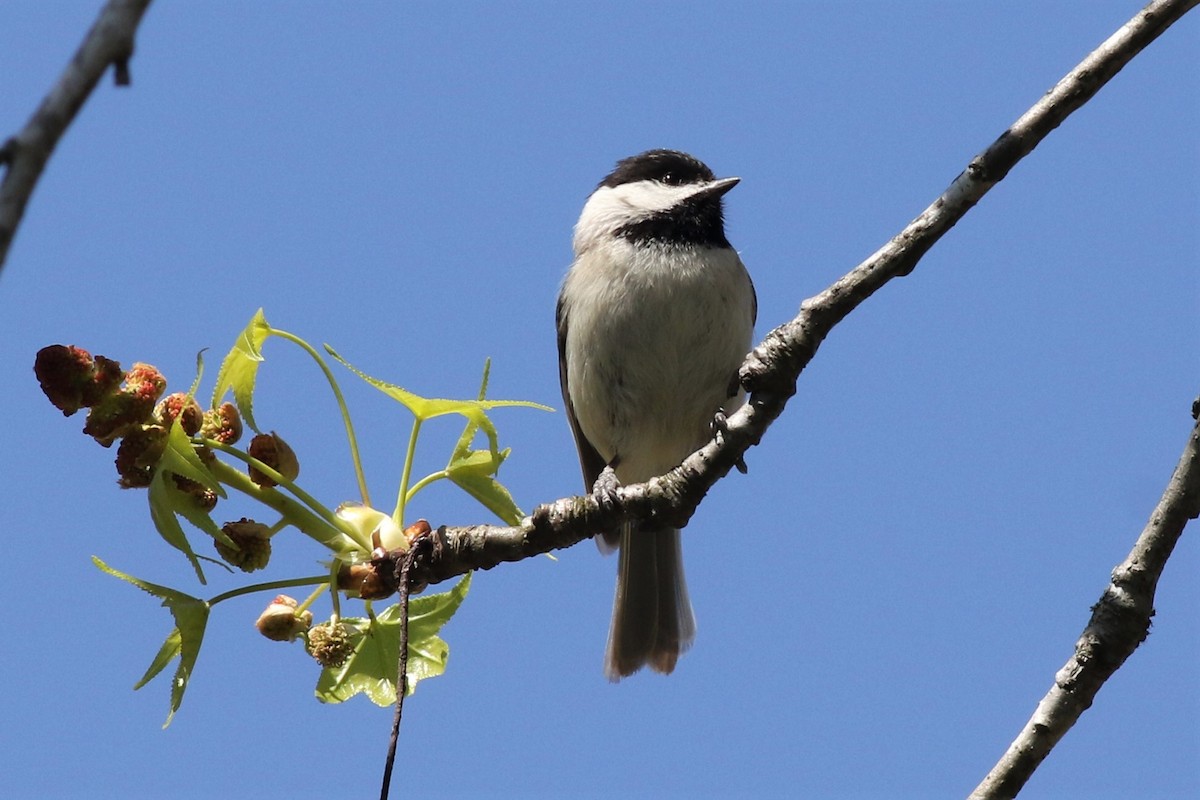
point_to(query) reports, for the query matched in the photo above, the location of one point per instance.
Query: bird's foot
(605, 488)
(720, 425)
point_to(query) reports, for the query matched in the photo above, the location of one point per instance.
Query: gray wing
(589, 459)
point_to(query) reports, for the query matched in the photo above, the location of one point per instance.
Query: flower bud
(223, 424)
(183, 407)
(369, 580)
(120, 412)
(280, 622)
(330, 644)
(71, 379)
(272, 450)
(138, 454)
(205, 498)
(253, 540)
(415, 531)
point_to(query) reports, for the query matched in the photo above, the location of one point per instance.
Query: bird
(654, 317)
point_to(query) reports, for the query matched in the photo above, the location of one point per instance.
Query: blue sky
(883, 599)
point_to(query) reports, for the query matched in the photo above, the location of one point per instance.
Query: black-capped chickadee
(654, 318)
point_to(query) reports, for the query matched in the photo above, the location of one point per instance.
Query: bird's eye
(669, 178)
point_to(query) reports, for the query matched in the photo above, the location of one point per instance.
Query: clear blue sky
(881, 601)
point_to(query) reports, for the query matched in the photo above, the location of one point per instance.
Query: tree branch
(110, 41)
(1120, 622)
(772, 369)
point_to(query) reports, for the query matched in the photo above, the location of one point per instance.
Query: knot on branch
(990, 166)
(1120, 623)
(772, 367)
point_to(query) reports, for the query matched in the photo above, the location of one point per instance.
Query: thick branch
(1119, 623)
(771, 370)
(110, 41)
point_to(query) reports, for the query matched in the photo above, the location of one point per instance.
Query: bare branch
(771, 370)
(1119, 623)
(110, 41)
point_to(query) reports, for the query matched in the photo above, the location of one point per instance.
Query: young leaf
(167, 501)
(180, 458)
(371, 668)
(427, 408)
(164, 500)
(191, 618)
(240, 368)
(170, 649)
(474, 471)
(199, 374)
(491, 494)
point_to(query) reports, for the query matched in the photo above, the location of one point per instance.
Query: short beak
(715, 189)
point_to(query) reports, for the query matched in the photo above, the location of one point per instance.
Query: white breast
(655, 336)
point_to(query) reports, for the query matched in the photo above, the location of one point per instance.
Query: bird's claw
(720, 426)
(605, 488)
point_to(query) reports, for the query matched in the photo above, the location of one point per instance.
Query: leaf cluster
(198, 466)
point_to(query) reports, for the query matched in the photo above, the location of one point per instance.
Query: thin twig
(404, 565)
(1120, 622)
(110, 41)
(772, 369)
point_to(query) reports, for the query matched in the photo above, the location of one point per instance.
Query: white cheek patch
(648, 197)
(613, 207)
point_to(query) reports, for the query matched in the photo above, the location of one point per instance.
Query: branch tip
(121, 75)
(110, 41)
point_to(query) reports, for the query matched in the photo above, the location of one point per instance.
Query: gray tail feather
(652, 620)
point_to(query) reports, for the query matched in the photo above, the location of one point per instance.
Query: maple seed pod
(272, 450)
(280, 622)
(183, 407)
(253, 540)
(222, 424)
(330, 644)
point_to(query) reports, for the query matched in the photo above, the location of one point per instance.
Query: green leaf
(191, 619)
(169, 650)
(164, 500)
(428, 408)
(193, 513)
(167, 502)
(474, 471)
(471, 470)
(199, 374)
(371, 668)
(181, 458)
(491, 494)
(239, 370)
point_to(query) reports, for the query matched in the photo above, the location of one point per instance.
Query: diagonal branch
(110, 41)
(1120, 622)
(772, 369)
